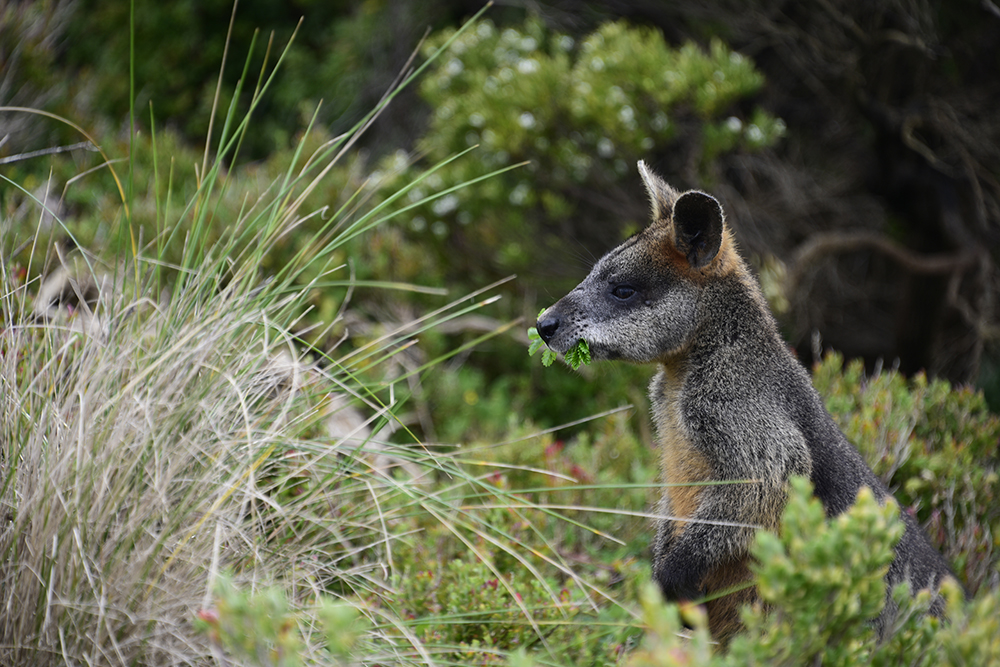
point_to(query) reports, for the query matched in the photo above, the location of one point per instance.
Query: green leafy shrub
(464, 606)
(603, 481)
(340, 56)
(576, 356)
(578, 116)
(825, 579)
(822, 583)
(477, 603)
(935, 446)
(263, 629)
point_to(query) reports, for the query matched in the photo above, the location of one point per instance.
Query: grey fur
(728, 391)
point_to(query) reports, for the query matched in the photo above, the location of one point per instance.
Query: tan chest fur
(683, 465)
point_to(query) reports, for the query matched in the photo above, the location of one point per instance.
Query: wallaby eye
(622, 292)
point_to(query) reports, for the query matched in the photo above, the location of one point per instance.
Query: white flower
(605, 148)
(527, 66)
(519, 194)
(445, 205)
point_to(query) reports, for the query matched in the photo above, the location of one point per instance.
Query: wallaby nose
(547, 327)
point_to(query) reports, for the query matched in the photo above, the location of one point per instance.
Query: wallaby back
(730, 402)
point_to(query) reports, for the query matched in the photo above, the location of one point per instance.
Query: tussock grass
(132, 468)
(167, 442)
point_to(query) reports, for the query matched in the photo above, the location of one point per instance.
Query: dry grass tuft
(139, 461)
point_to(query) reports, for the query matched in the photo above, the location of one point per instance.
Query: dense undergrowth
(238, 427)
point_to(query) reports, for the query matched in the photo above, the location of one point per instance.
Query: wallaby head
(648, 284)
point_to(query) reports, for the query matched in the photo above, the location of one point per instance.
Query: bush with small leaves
(262, 627)
(936, 446)
(821, 582)
(576, 116)
(473, 612)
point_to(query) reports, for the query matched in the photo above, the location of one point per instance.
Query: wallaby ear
(661, 195)
(698, 227)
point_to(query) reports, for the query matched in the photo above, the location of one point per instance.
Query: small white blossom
(527, 66)
(445, 205)
(519, 194)
(605, 148)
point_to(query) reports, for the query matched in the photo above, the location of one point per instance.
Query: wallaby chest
(684, 465)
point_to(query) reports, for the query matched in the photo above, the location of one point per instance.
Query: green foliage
(606, 468)
(464, 607)
(935, 445)
(262, 628)
(478, 604)
(179, 46)
(822, 583)
(570, 521)
(824, 580)
(577, 116)
(536, 344)
(665, 643)
(576, 356)
(29, 76)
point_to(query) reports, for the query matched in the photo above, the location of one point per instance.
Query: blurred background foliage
(875, 217)
(850, 144)
(577, 116)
